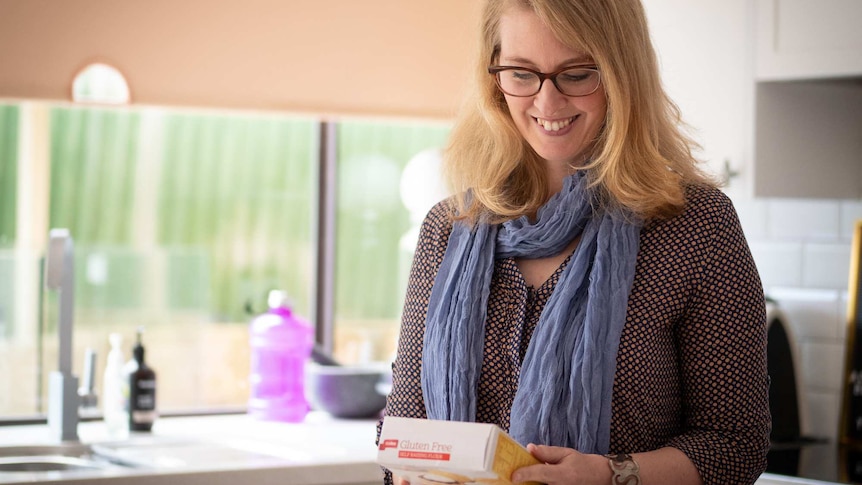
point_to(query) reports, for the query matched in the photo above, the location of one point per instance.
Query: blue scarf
(566, 381)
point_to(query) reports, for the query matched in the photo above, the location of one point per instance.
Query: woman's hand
(396, 480)
(564, 466)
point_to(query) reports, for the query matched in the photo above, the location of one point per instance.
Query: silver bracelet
(625, 470)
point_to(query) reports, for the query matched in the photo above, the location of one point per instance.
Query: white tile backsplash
(811, 314)
(851, 211)
(802, 251)
(822, 411)
(804, 220)
(822, 365)
(844, 312)
(825, 265)
(754, 216)
(779, 263)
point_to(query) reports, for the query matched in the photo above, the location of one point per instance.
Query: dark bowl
(348, 391)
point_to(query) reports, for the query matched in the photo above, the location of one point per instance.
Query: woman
(590, 290)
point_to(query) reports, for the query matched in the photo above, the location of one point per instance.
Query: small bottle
(116, 391)
(142, 390)
(281, 345)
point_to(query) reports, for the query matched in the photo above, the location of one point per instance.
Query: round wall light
(100, 83)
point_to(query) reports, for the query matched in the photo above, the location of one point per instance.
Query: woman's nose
(548, 100)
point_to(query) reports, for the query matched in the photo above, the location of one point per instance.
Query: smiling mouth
(554, 125)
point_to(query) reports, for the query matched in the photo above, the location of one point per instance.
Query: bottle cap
(278, 299)
(138, 350)
(116, 340)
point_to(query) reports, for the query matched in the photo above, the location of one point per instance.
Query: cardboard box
(428, 452)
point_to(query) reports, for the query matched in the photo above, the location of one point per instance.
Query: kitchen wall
(320, 57)
(801, 246)
(802, 251)
(383, 57)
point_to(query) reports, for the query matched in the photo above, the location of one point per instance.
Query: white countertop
(772, 479)
(236, 449)
(224, 449)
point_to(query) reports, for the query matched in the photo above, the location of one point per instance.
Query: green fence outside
(231, 198)
(8, 209)
(8, 173)
(370, 217)
(233, 211)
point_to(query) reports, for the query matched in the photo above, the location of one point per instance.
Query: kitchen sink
(140, 454)
(64, 449)
(47, 464)
(52, 458)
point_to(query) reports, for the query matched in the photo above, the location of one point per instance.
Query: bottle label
(143, 401)
(144, 416)
(147, 384)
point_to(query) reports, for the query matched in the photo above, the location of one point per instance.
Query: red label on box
(424, 455)
(390, 443)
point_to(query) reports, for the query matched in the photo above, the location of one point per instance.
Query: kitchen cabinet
(796, 135)
(703, 49)
(808, 139)
(807, 115)
(808, 39)
(771, 88)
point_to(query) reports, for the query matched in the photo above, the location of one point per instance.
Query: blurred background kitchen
(204, 152)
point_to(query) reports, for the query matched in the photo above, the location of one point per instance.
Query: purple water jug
(281, 344)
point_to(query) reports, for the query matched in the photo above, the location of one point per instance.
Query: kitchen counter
(770, 479)
(232, 449)
(225, 449)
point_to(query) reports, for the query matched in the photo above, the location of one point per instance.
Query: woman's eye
(522, 75)
(575, 76)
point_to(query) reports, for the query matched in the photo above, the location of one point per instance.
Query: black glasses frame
(496, 70)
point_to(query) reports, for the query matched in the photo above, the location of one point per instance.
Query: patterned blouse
(691, 365)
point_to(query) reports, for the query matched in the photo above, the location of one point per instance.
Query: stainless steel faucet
(88, 400)
(63, 385)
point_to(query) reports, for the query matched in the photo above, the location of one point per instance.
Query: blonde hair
(642, 160)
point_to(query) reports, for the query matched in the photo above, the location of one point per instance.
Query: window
(182, 222)
(8, 178)
(372, 221)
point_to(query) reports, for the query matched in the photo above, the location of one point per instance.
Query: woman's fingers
(561, 466)
(396, 480)
(549, 454)
(532, 473)
(546, 471)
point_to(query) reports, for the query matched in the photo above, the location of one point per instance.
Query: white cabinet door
(807, 39)
(704, 52)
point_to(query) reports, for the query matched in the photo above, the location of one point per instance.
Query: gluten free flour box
(429, 452)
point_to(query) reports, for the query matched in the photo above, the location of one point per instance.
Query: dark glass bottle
(142, 390)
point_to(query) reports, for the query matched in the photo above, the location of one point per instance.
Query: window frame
(35, 132)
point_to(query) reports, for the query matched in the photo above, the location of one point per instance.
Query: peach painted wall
(387, 57)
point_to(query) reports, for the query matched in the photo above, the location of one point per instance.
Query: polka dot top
(691, 366)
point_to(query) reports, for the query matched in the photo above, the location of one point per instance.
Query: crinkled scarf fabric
(566, 381)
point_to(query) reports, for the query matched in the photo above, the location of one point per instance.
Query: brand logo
(390, 443)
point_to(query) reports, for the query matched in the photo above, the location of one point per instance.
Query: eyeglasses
(521, 81)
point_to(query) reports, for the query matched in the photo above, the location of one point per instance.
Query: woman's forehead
(524, 38)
